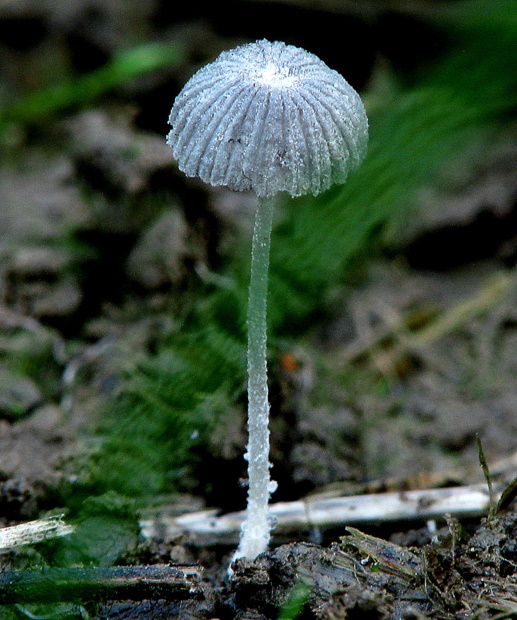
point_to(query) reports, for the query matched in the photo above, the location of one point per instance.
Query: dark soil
(387, 392)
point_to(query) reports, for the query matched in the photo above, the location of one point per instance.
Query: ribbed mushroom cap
(269, 117)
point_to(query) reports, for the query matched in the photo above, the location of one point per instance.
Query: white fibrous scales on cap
(268, 117)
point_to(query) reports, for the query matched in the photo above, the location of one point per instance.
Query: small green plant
(296, 601)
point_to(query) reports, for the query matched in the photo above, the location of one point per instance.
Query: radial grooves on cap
(196, 107)
(269, 117)
(328, 107)
(198, 153)
(302, 156)
(347, 124)
(321, 153)
(270, 178)
(285, 149)
(237, 133)
(248, 143)
(220, 171)
(279, 148)
(256, 165)
(191, 98)
(337, 158)
(208, 156)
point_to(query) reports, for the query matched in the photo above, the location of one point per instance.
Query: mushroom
(267, 117)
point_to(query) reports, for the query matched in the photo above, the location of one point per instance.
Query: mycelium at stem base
(256, 527)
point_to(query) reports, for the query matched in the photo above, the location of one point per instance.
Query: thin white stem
(256, 527)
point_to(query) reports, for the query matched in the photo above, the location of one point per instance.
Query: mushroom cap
(269, 117)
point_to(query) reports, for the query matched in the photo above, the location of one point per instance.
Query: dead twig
(34, 532)
(206, 528)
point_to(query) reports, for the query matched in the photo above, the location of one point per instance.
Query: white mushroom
(267, 117)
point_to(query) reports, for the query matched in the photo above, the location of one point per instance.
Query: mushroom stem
(255, 530)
